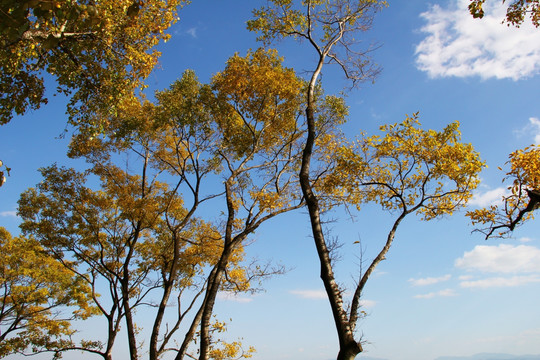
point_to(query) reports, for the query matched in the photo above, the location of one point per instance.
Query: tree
(516, 12)
(249, 114)
(100, 50)
(234, 144)
(407, 171)
(329, 27)
(519, 205)
(36, 294)
(255, 112)
(397, 172)
(134, 236)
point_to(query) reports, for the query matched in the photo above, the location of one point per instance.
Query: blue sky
(443, 291)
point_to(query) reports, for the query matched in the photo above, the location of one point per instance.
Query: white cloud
(531, 130)
(8, 213)
(309, 294)
(192, 32)
(490, 197)
(501, 281)
(525, 239)
(503, 258)
(442, 293)
(368, 304)
(535, 123)
(429, 280)
(458, 45)
(227, 296)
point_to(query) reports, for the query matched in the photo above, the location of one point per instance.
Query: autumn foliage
(157, 224)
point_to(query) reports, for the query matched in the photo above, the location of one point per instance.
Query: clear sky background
(443, 291)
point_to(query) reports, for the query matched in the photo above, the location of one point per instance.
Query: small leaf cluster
(522, 199)
(516, 12)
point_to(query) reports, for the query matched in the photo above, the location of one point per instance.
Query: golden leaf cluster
(410, 169)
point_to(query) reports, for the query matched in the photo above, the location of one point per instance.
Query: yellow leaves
(257, 100)
(519, 205)
(483, 216)
(35, 287)
(269, 201)
(100, 39)
(408, 168)
(515, 13)
(525, 166)
(223, 350)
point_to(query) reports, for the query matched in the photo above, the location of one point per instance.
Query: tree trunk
(130, 327)
(210, 300)
(349, 348)
(349, 352)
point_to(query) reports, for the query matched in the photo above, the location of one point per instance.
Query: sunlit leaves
(257, 101)
(39, 297)
(525, 168)
(523, 198)
(100, 51)
(408, 169)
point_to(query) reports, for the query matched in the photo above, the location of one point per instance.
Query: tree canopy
(97, 51)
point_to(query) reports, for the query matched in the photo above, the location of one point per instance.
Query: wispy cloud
(227, 296)
(523, 338)
(8, 213)
(534, 122)
(309, 294)
(458, 45)
(442, 293)
(192, 32)
(490, 197)
(501, 281)
(530, 131)
(503, 258)
(429, 280)
(368, 304)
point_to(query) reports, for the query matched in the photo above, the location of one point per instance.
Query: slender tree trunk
(130, 325)
(154, 337)
(190, 334)
(349, 348)
(168, 284)
(210, 299)
(112, 329)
